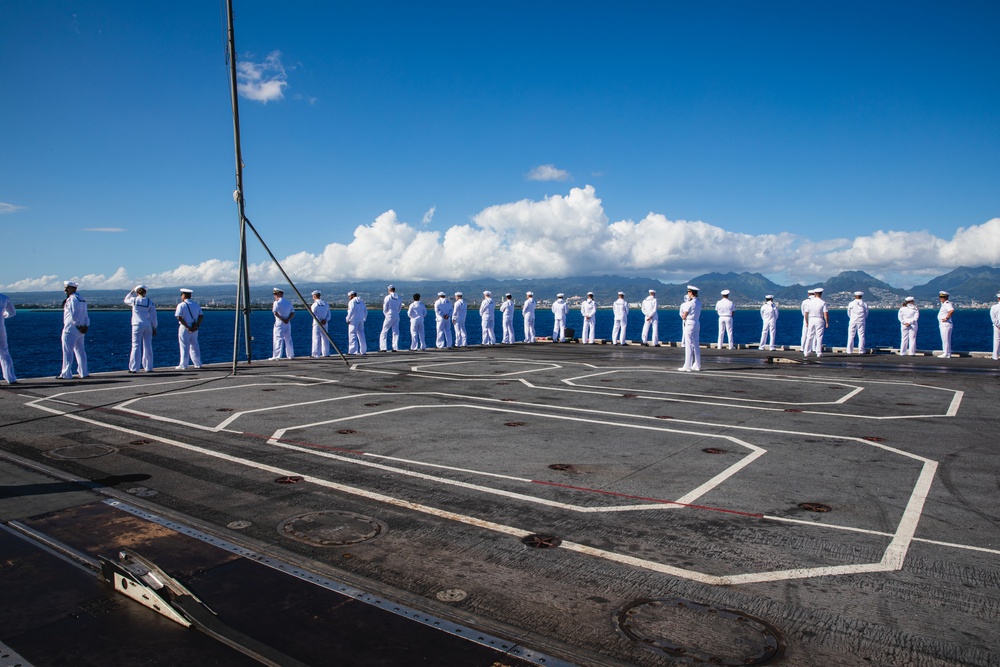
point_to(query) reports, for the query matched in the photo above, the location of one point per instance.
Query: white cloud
(105, 229)
(547, 172)
(9, 208)
(429, 215)
(264, 81)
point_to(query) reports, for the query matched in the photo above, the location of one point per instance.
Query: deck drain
(538, 541)
(873, 438)
(141, 492)
(331, 528)
(238, 525)
(290, 479)
(513, 423)
(346, 431)
(699, 633)
(814, 507)
(224, 409)
(269, 389)
(451, 595)
(372, 405)
(84, 451)
(713, 450)
(562, 466)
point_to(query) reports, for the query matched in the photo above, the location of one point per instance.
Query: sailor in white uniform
(559, 311)
(817, 320)
(995, 319)
(908, 317)
(620, 310)
(726, 310)
(357, 315)
(691, 318)
(320, 326)
(442, 318)
(417, 312)
(588, 309)
(7, 311)
(945, 324)
(459, 312)
(857, 313)
(805, 327)
(487, 312)
(390, 322)
(528, 313)
(650, 311)
(507, 317)
(769, 316)
(143, 329)
(283, 311)
(75, 325)
(189, 317)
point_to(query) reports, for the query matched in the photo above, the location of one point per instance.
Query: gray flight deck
(514, 505)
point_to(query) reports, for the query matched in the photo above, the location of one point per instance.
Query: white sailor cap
(316, 292)
(185, 290)
(859, 294)
(560, 295)
(810, 291)
(724, 292)
(590, 294)
(442, 294)
(769, 297)
(278, 290)
(652, 291)
(352, 293)
(818, 290)
(943, 293)
(140, 287)
(70, 283)
(508, 295)
(909, 299)
(692, 288)
(458, 294)
(487, 293)
(392, 287)
(530, 293)
(998, 295)
(620, 293)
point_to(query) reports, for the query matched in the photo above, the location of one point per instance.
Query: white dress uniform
(442, 318)
(320, 342)
(487, 313)
(857, 313)
(726, 310)
(143, 326)
(815, 313)
(357, 315)
(589, 311)
(7, 311)
(282, 335)
(417, 312)
(188, 313)
(390, 310)
(805, 327)
(995, 318)
(74, 317)
(945, 325)
(528, 313)
(459, 313)
(559, 311)
(691, 315)
(620, 310)
(650, 310)
(908, 317)
(769, 316)
(507, 317)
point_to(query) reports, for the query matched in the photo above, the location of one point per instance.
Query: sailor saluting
(143, 329)
(75, 323)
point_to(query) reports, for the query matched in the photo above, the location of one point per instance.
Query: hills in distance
(967, 286)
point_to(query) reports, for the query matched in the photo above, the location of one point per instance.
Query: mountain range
(967, 286)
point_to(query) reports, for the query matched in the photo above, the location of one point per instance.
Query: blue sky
(516, 139)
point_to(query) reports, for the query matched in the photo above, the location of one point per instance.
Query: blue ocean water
(34, 336)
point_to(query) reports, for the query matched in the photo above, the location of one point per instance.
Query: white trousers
(996, 343)
(320, 343)
(653, 324)
(489, 334)
(444, 333)
(908, 340)
(6, 363)
(190, 350)
(725, 329)
(529, 328)
(587, 336)
(282, 335)
(390, 324)
(618, 332)
(559, 330)
(417, 334)
(814, 337)
(461, 335)
(142, 348)
(769, 330)
(856, 329)
(692, 346)
(73, 346)
(356, 343)
(946, 328)
(508, 330)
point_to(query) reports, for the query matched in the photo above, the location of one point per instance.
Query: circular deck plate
(331, 528)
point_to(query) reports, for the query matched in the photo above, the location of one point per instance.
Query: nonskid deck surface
(583, 504)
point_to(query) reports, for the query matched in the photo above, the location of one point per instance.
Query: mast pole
(243, 288)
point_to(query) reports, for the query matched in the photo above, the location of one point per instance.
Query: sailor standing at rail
(908, 316)
(995, 318)
(817, 320)
(189, 317)
(459, 311)
(75, 325)
(769, 316)
(559, 311)
(945, 324)
(442, 318)
(857, 312)
(620, 310)
(507, 317)
(528, 313)
(7, 310)
(589, 311)
(487, 313)
(650, 310)
(390, 310)
(283, 311)
(726, 310)
(143, 329)
(691, 319)
(321, 311)
(357, 314)
(416, 312)
(805, 327)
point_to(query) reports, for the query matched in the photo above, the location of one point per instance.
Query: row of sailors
(452, 315)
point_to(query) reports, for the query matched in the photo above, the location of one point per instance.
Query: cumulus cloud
(547, 172)
(9, 208)
(429, 215)
(262, 81)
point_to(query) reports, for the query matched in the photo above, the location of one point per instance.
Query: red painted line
(755, 515)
